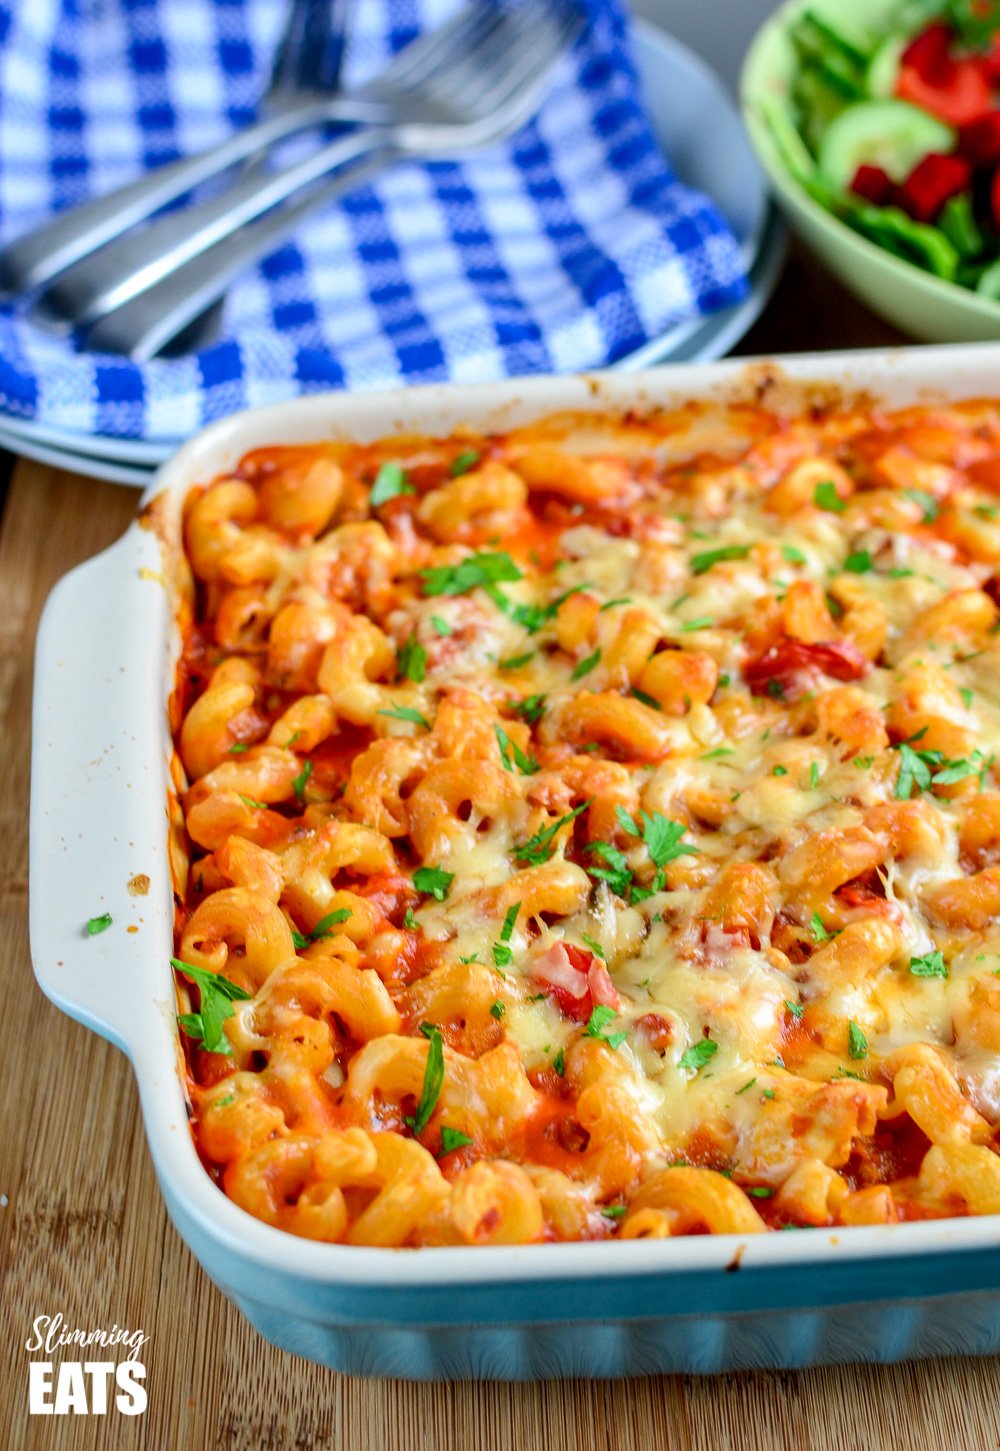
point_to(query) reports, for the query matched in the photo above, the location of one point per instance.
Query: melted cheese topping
(661, 756)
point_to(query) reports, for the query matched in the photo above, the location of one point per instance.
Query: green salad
(897, 131)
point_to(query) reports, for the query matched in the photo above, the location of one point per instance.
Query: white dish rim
(77, 973)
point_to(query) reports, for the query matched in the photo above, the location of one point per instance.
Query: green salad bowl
(918, 303)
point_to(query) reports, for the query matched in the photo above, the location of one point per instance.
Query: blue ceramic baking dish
(101, 823)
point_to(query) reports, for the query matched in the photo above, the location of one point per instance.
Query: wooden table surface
(83, 1229)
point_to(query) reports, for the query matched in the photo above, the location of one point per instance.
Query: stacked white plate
(700, 131)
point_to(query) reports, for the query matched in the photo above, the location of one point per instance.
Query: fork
(306, 66)
(508, 77)
(470, 96)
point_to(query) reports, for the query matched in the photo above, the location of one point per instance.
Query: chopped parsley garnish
(217, 997)
(931, 964)
(767, 1093)
(559, 1063)
(509, 921)
(760, 1191)
(825, 496)
(511, 754)
(614, 1211)
(406, 712)
(914, 769)
(531, 708)
(793, 555)
(390, 481)
(502, 953)
(299, 784)
(859, 563)
(814, 775)
(472, 957)
(249, 801)
(645, 699)
(585, 666)
(796, 1009)
(703, 622)
(435, 881)
(598, 1022)
(410, 922)
(746, 1086)
(723, 681)
(775, 690)
(698, 1054)
(452, 1139)
(441, 627)
(610, 604)
(411, 661)
(662, 838)
(238, 748)
(514, 662)
(818, 931)
(497, 1010)
(433, 1079)
(966, 695)
(539, 848)
(617, 873)
(594, 946)
(780, 771)
(323, 929)
(716, 753)
(857, 1043)
(899, 571)
(927, 503)
(97, 925)
(702, 562)
(843, 1072)
(471, 573)
(466, 460)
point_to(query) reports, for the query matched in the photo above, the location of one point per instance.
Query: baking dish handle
(100, 892)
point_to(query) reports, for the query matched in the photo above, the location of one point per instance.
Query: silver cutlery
(479, 90)
(303, 61)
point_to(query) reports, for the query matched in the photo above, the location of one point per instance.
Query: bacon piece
(577, 980)
(790, 668)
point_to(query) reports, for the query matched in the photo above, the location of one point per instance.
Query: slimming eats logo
(89, 1387)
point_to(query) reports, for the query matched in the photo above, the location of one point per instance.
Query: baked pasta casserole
(594, 830)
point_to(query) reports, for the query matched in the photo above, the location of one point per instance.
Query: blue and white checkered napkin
(567, 247)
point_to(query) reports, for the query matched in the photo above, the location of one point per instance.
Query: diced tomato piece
(959, 94)
(927, 52)
(874, 184)
(980, 140)
(931, 182)
(790, 668)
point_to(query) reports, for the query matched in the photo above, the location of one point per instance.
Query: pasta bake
(593, 830)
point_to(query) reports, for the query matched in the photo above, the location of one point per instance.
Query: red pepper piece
(931, 182)
(979, 141)
(927, 53)
(790, 668)
(874, 184)
(958, 94)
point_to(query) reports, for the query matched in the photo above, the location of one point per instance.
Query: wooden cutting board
(83, 1229)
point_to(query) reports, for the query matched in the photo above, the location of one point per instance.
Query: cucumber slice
(890, 134)
(883, 68)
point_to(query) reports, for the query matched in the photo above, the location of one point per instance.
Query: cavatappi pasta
(595, 830)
